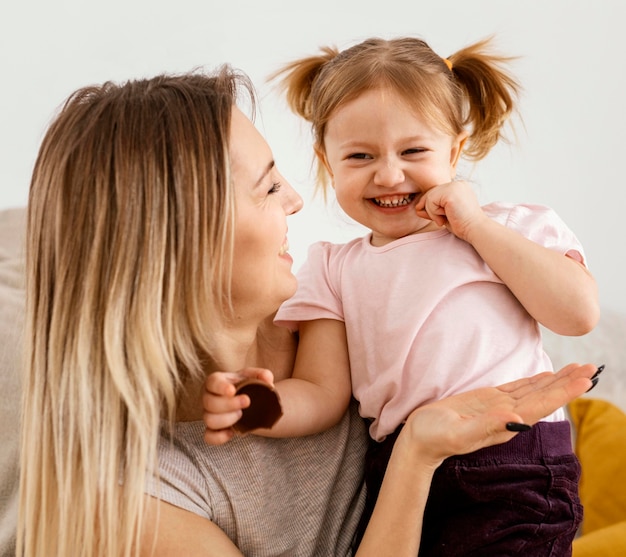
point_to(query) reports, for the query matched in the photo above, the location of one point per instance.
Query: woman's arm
(172, 532)
(396, 522)
(456, 425)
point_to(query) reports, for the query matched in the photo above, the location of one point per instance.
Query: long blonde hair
(471, 89)
(130, 225)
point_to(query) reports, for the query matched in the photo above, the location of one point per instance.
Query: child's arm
(556, 290)
(317, 395)
(313, 399)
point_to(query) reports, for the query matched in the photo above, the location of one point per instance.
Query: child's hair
(468, 90)
(129, 252)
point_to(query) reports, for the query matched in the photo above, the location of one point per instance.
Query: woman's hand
(469, 421)
(222, 406)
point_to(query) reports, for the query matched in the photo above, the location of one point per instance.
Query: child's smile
(394, 201)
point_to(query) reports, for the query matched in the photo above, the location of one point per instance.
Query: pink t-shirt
(425, 316)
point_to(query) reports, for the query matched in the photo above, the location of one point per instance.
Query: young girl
(442, 296)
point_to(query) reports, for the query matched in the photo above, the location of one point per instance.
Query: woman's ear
(455, 152)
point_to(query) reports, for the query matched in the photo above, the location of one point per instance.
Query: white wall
(567, 155)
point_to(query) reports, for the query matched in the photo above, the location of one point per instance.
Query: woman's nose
(292, 202)
(389, 174)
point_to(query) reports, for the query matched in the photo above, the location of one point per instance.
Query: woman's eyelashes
(275, 188)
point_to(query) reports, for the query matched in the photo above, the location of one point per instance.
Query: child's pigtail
(491, 95)
(297, 78)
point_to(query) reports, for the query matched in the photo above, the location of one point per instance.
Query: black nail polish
(598, 372)
(515, 426)
(594, 382)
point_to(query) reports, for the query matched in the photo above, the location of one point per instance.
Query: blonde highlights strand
(130, 229)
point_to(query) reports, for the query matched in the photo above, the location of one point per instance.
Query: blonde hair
(130, 233)
(476, 93)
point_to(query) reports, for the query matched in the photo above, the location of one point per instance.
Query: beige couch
(11, 322)
(606, 344)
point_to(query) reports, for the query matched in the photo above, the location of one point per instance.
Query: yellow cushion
(601, 447)
(604, 542)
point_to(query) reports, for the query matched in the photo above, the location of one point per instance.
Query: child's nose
(389, 174)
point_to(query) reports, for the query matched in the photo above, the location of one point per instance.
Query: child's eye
(360, 156)
(275, 187)
(413, 151)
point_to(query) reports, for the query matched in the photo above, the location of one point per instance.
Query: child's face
(382, 156)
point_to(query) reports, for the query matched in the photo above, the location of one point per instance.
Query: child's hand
(453, 205)
(222, 407)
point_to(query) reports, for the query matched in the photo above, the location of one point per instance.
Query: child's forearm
(307, 409)
(318, 394)
(556, 290)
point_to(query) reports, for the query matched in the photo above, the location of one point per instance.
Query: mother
(157, 254)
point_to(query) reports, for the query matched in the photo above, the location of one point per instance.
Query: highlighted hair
(130, 233)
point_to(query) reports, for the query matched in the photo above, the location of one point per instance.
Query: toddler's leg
(520, 498)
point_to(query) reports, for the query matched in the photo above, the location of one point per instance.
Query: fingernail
(598, 372)
(594, 382)
(515, 426)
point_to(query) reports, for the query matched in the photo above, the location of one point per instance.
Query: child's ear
(455, 152)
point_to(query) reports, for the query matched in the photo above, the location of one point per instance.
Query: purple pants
(518, 498)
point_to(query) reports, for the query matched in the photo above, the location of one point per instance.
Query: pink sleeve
(317, 294)
(543, 226)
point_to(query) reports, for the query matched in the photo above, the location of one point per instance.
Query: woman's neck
(230, 353)
(266, 346)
